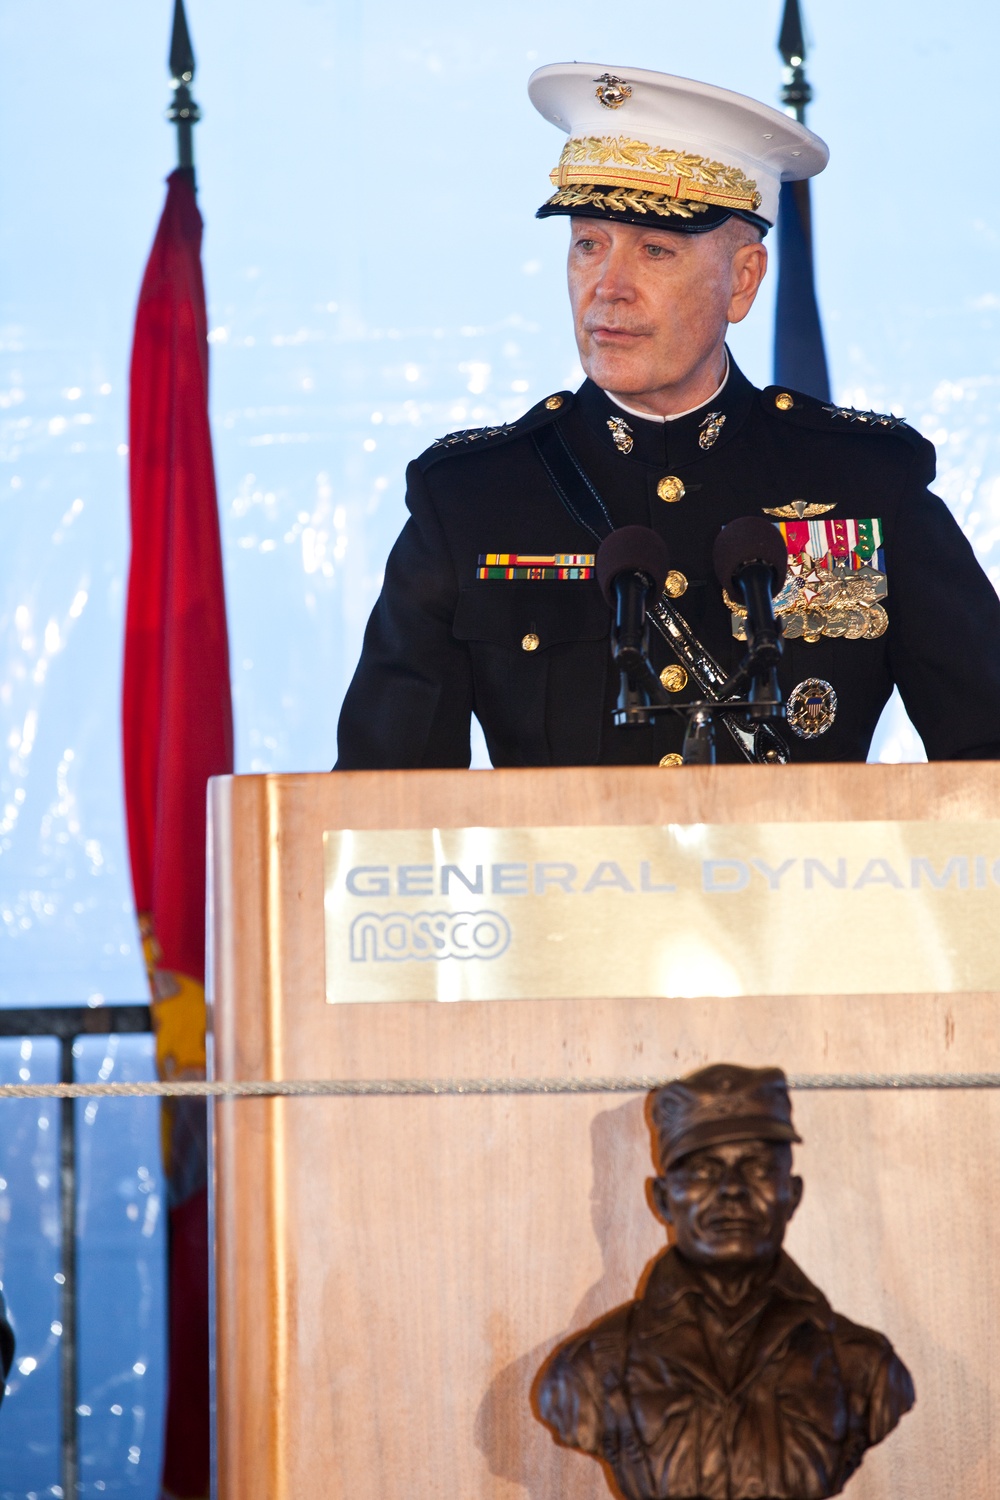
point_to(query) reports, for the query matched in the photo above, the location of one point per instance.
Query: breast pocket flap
(509, 614)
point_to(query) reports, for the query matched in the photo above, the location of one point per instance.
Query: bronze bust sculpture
(730, 1377)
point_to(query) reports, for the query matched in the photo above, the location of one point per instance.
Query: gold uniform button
(530, 642)
(670, 488)
(553, 403)
(674, 678)
(673, 759)
(676, 584)
(784, 402)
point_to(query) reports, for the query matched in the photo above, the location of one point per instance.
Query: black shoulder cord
(573, 486)
(582, 501)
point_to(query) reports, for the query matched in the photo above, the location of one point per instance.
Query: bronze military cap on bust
(721, 1103)
(730, 1377)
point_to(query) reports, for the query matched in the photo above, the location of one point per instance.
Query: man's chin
(621, 371)
(731, 1249)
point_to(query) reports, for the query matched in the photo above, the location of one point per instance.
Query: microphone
(632, 564)
(751, 560)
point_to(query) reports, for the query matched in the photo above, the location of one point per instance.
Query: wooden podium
(391, 1271)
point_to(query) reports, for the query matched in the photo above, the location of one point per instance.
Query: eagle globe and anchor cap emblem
(612, 91)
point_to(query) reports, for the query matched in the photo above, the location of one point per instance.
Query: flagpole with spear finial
(184, 112)
(799, 355)
(797, 92)
(175, 675)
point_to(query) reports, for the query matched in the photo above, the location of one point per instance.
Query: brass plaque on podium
(681, 910)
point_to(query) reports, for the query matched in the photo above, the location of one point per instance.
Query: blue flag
(799, 356)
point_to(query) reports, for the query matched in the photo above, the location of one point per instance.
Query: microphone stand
(753, 688)
(640, 693)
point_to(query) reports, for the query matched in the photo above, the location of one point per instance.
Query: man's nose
(616, 282)
(732, 1183)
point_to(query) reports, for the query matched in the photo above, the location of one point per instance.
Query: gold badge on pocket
(811, 708)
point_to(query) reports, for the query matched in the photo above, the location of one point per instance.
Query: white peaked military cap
(646, 147)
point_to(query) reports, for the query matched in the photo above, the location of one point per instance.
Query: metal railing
(67, 1024)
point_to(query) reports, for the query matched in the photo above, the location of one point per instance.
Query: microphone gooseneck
(749, 540)
(632, 549)
(751, 563)
(632, 566)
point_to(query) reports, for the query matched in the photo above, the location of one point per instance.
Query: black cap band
(700, 223)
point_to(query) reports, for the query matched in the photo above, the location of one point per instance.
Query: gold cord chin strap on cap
(595, 168)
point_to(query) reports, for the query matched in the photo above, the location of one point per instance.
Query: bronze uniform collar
(787, 1301)
(673, 1284)
(669, 445)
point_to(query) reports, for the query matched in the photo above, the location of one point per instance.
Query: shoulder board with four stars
(857, 418)
(809, 411)
(822, 416)
(475, 439)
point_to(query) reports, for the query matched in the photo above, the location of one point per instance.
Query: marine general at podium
(490, 605)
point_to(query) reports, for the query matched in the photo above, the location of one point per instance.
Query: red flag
(178, 731)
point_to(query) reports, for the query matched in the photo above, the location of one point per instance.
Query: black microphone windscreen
(632, 549)
(751, 539)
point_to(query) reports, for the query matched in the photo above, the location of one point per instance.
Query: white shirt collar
(648, 416)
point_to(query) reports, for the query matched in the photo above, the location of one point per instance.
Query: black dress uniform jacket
(643, 1389)
(443, 644)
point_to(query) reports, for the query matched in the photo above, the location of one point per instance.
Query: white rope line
(407, 1087)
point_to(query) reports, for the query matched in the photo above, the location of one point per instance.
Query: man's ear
(798, 1187)
(749, 266)
(661, 1200)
